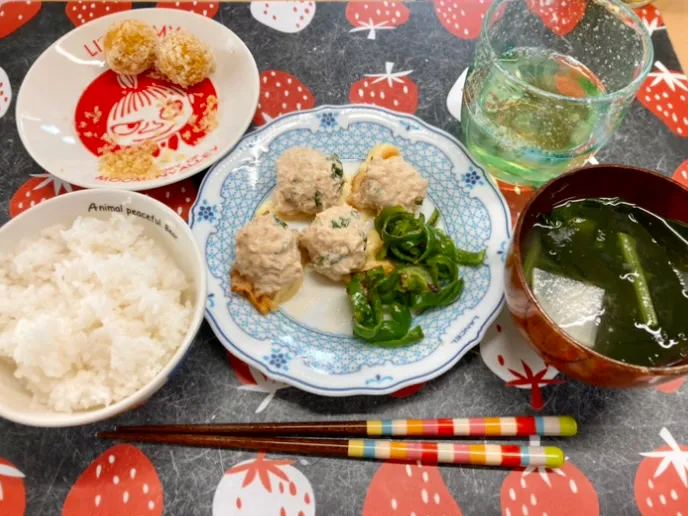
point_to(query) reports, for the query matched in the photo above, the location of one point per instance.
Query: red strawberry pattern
(253, 380)
(463, 18)
(376, 16)
(407, 391)
(671, 387)
(12, 492)
(400, 488)
(15, 14)
(120, 481)
(681, 173)
(564, 491)
(264, 487)
(207, 9)
(661, 481)
(664, 92)
(38, 188)
(83, 11)
(651, 18)
(391, 90)
(5, 93)
(560, 16)
(285, 16)
(280, 93)
(41, 187)
(178, 196)
(509, 356)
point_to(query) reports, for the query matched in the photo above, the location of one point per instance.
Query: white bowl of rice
(101, 295)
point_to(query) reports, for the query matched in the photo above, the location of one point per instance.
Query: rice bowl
(101, 301)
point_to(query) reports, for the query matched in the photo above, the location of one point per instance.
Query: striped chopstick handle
(474, 427)
(450, 453)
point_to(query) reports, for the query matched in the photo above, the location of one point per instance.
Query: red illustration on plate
(400, 488)
(84, 11)
(129, 110)
(264, 487)
(376, 16)
(120, 481)
(463, 18)
(280, 93)
(664, 92)
(391, 90)
(15, 14)
(681, 173)
(12, 492)
(661, 481)
(560, 16)
(564, 491)
(651, 18)
(209, 10)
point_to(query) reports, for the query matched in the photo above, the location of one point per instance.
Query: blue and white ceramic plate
(308, 342)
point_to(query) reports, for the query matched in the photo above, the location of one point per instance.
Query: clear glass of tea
(549, 84)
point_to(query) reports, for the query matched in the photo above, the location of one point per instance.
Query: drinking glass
(549, 84)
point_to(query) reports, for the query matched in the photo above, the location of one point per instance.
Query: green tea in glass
(549, 84)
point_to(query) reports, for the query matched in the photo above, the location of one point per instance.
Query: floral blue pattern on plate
(291, 344)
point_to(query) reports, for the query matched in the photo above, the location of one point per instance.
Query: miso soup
(614, 276)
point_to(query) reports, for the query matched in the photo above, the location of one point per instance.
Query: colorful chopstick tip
(568, 425)
(554, 457)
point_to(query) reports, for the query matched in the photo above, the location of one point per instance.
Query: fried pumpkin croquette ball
(130, 47)
(184, 59)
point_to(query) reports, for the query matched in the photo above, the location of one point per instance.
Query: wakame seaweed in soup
(614, 276)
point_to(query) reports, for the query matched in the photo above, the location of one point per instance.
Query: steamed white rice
(90, 313)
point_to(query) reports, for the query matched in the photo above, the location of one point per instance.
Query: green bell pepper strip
(442, 268)
(359, 299)
(469, 258)
(413, 336)
(396, 327)
(444, 297)
(434, 217)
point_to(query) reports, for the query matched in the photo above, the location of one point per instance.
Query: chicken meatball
(384, 182)
(307, 181)
(267, 255)
(336, 242)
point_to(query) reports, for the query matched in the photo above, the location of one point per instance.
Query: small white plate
(308, 341)
(70, 99)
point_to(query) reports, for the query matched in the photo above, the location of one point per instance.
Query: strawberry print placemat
(631, 456)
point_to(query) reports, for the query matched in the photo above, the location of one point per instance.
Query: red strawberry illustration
(120, 481)
(681, 173)
(516, 197)
(12, 493)
(5, 92)
(407, 391)
(38, 188)
(203, 8)
(664, 92)
(15, 14)
(254, 381)
(651, 18)
(671, 387)
(263, 487)
(392, 90)
(178, 196)
(83, 11)
(285, 16)
(372, 16)
(463, 18)
(560, 16)
(280, 93)
(409, 489)
(564, 491)
(661, 481)
(511, 358)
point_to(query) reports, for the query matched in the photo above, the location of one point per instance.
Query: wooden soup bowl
(649, 190)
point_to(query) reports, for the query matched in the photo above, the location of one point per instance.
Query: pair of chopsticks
(263, 437)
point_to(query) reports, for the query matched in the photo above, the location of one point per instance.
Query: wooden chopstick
(427, 452)
(470, 427)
